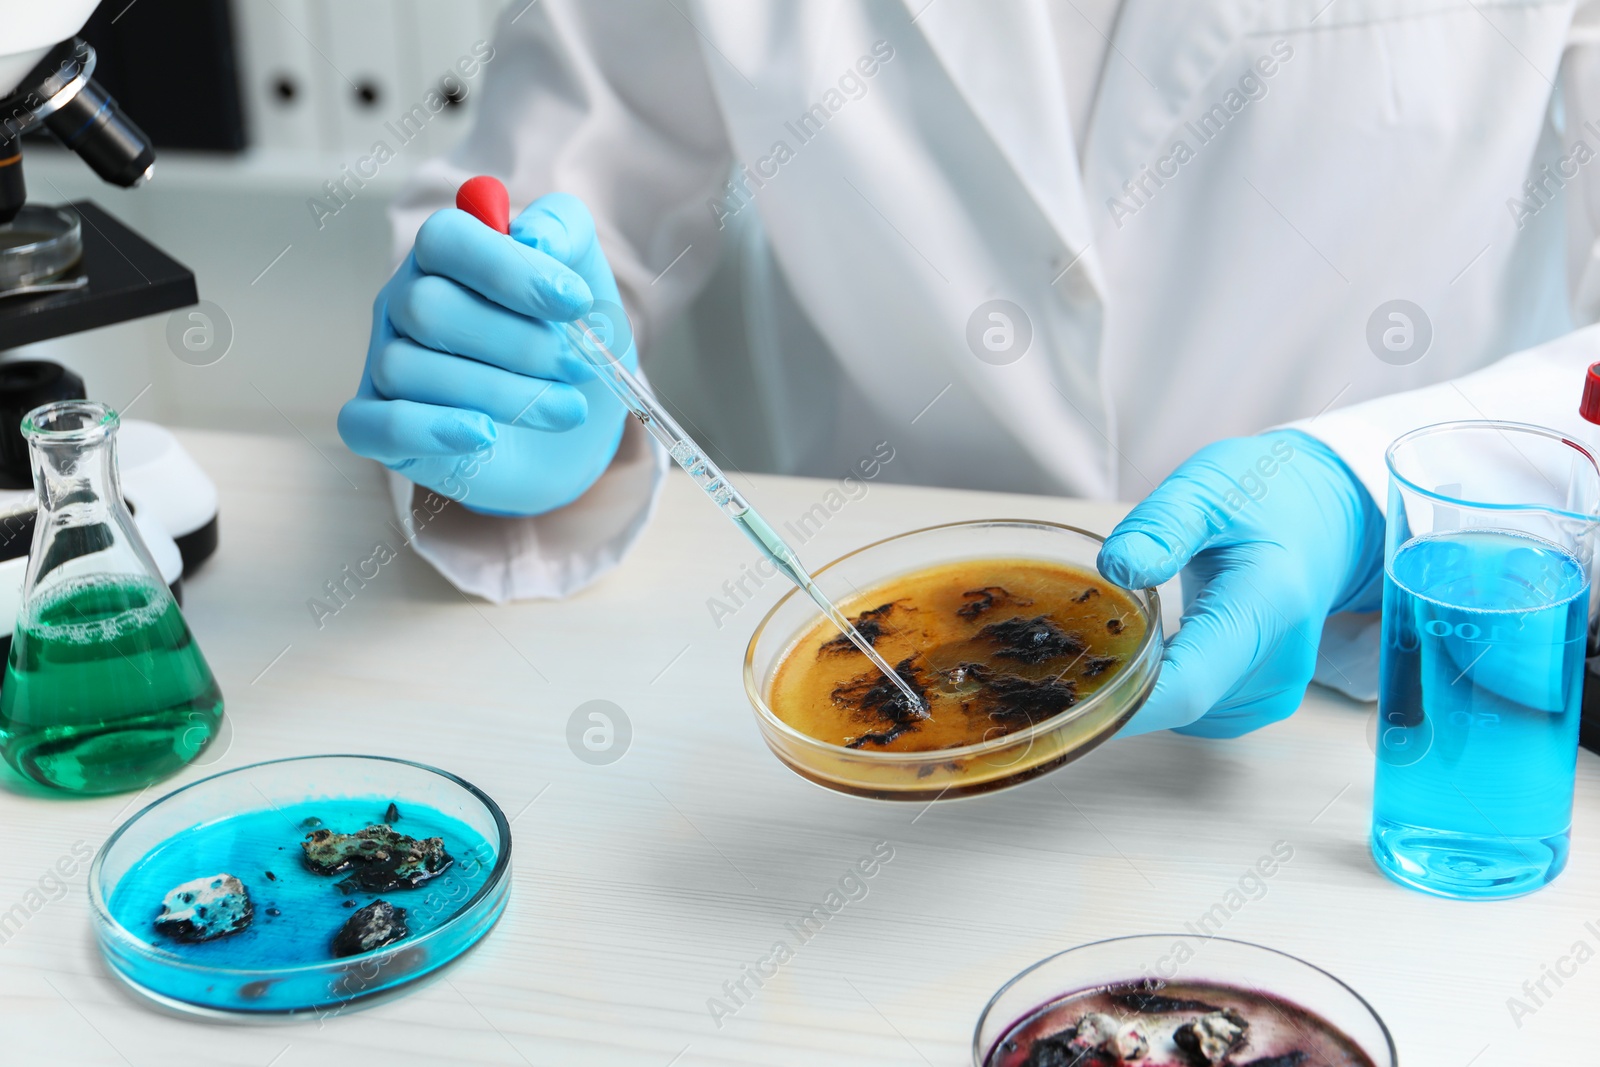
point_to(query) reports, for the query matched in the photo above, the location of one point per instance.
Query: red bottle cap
(485, 199)
(1589, 407)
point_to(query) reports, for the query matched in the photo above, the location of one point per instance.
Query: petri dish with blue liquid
(300, 886)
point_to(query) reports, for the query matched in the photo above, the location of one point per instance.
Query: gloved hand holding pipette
(1273, 534)
(472, 386)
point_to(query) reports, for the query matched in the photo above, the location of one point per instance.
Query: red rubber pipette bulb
(486, 199)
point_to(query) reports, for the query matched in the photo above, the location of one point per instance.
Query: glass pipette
(709, 477)
(486, 200)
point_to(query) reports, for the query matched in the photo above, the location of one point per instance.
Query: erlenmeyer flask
(105, 689)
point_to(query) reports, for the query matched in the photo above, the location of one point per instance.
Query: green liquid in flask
(105, 689)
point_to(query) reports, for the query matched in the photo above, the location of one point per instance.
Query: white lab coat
(1334, 156)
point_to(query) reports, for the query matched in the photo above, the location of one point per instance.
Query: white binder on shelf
(365, 45)
(451, 40)
(279, 77)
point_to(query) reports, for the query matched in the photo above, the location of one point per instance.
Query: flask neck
(72, 446)
(77, 478)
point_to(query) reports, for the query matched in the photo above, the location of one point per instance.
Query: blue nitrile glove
(472, 386)
(1274, 534)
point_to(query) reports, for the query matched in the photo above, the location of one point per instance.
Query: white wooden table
(642, 886)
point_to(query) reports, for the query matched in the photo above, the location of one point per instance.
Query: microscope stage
(129, 278)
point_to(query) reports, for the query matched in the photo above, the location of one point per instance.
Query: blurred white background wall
(320, 79)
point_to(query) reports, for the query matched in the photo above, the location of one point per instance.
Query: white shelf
(251, 171)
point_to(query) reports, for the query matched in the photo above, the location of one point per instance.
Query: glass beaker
(1488, 564)
(105, 688)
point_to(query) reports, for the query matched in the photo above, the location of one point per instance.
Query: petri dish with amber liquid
(1025, 656)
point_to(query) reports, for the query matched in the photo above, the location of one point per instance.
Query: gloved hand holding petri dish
(1272, 534)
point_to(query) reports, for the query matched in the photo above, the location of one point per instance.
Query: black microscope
(73, 267)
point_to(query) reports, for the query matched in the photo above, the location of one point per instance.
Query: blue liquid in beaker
(1478, 715)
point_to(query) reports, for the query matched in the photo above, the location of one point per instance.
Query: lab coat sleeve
(1580, 98)
(549, 555)
(607, 100)
(1540, 385)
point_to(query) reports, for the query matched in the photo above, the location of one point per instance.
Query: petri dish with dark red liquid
(1175, 1000)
